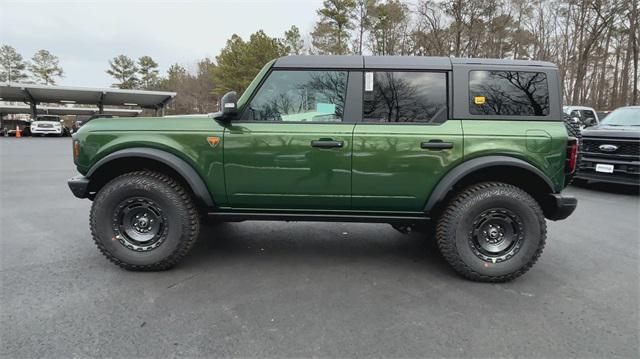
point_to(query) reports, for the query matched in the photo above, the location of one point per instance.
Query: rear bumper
(79, 186)
(560, 207)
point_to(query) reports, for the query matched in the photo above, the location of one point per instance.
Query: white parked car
(586, 115)
(47, 125)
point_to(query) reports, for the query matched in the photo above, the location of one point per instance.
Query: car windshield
(629, 116)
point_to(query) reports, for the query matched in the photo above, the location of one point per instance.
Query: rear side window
(509, 93)
(405, 97)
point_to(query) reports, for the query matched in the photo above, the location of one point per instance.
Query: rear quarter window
(508, 93)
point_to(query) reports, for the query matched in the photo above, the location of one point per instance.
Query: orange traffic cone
(18, 132)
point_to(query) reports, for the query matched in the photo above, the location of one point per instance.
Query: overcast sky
(86, 34)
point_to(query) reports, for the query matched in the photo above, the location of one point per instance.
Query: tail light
(572, 156)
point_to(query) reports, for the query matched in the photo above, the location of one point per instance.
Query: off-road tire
(455, 231)
(178, 210)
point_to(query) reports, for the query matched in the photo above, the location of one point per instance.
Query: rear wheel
(492, 232)
(144, 220)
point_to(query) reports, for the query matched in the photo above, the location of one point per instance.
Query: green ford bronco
(471, 151)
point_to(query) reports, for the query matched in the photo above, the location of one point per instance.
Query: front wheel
(144, 221)
(492, 232)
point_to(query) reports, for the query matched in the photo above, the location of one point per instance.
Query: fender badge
(213, 141)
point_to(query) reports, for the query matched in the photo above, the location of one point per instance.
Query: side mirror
(590, 122)
(228, 107)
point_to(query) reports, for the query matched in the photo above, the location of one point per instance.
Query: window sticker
(479, 100)
(368, 81)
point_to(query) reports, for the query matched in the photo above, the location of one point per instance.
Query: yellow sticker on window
(479, 100)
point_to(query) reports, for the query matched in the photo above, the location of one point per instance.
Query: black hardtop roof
(394, 62)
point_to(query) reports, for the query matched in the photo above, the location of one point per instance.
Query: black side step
(315, 217)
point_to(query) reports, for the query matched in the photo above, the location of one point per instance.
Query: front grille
(45, 125)
(625, 147)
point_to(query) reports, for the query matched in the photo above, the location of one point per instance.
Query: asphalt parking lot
(265, 289)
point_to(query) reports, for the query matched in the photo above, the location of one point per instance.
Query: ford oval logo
(608, 148)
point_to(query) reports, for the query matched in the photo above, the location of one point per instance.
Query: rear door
(291, 149)
(405, 142)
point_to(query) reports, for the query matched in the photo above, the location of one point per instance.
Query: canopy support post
(32, 104)
(101, 104)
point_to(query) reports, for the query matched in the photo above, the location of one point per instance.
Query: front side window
(300, 96)
(511, 93)
(405, 97)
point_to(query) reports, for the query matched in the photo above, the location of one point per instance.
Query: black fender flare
(457, 173)
(179, 165)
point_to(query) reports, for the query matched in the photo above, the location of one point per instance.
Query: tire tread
(446, 226)
(183, 247)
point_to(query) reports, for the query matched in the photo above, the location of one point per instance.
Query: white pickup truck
(587, 116)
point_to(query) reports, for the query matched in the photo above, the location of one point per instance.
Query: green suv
(471, 151)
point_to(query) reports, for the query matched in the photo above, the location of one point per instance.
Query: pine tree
(45, 67)
(293, 41)
(240, 61)
(123, 69)
(331, 33)
(148, 71)
(12, 65)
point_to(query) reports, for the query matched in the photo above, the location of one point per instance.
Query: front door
(291, 149)
(405, 143)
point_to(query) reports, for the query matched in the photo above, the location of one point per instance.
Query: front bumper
(79, 186)
(46, 131)
(560, 207)
(605, 177)
(626, 173)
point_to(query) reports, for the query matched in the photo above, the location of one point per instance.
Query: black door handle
(436, 145)
(327, 143)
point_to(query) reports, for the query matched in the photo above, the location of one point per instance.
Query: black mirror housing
(228, 107)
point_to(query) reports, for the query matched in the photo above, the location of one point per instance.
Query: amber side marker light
(213, 141)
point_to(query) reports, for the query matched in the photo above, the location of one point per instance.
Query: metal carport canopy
(55, 110)
(83, 95)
